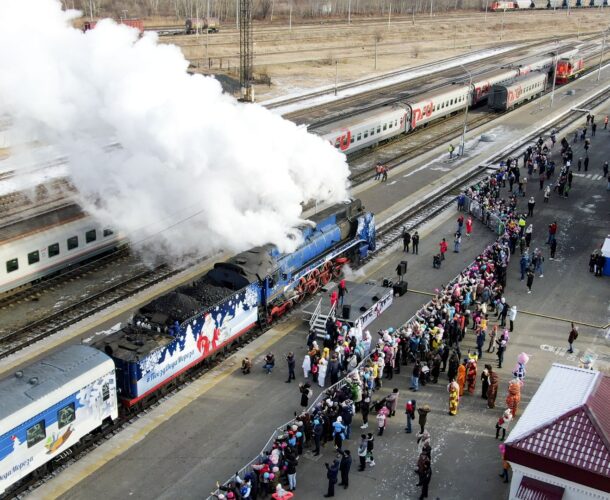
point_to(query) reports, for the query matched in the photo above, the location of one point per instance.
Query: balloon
(266, 475)
(271, 476)
(299, 434)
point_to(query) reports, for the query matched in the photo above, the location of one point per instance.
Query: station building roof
(565, 429)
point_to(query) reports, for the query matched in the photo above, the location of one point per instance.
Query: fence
(492, 221)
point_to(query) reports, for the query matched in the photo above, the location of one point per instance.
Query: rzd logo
(344, 140)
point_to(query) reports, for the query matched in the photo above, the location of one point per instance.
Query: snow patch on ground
(366, 86)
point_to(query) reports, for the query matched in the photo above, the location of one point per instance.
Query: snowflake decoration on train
(149, 363)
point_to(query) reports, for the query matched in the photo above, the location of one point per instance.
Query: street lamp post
(556, 58)
(463, 145)
(601, 57)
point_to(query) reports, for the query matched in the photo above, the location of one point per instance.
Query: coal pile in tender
(171, 307)
(205, 293)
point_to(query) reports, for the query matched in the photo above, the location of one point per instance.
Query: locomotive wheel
(312, 286)
(300, 291)
(325, 277)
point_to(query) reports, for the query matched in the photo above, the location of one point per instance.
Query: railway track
(323, 114)
(400, 149)
(388, 234)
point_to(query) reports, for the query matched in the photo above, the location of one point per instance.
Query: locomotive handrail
(315, 314)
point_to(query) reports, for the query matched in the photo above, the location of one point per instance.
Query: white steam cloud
(217, 173)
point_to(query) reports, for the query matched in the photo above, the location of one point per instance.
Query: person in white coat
(306, 365)
(512, 316)
(322, 365)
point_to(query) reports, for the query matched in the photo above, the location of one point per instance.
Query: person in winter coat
(492, 391)
(333, 369)
(406, 241)
(514, 396)
(269, 363)
(469, 226)
(410, 412)
(443, 248)
(365, 406)
(370, 446)
(381, 421)
(332, 471)
(342, 288)
(423, 416)
(471, 374)
(454, 363)
(512, 316)
(344, 467)
(461, 377)
(306, 393)
(362, 451)
(392, 402)
(415, 376)
(291, 362)
(485, 381)
(306, 365)
(530, 280)
(503, 423)
(338, 432)
(457, 241)
(322, 367)
(318, 431)
(492, 338)
(572, 337)
(454, 397)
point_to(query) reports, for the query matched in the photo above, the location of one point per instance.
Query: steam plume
(219, 173)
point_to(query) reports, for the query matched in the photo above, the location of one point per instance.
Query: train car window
(33, 257)
(451, 102)
(53, 250)
(72, 242)
(379, 129)
(337, 143)
(110, 232)
(105, 392)
(36, 433)
(372, 131)
(351, 141)
(359, 137)
(366, 134)
(390, 125)
(66, 415)
(396, 123)
(91, 236)
(385, 126)
(12, 265)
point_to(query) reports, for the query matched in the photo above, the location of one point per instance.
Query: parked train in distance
(502, 6)
(34, 248)
(373, 127)
(50, 405)
(134, 23)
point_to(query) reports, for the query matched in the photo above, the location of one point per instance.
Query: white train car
(507, 96)
(482, 84)
(50, 405)
(367, 129)
(440, 103)
(48, 242)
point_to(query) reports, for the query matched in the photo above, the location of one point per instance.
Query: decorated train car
(569, 68)
(50, 405)
(506, 96)
(179, 330)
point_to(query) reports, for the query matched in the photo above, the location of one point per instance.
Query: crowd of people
(473, 308)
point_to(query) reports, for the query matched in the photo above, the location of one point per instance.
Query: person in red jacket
(443, 248)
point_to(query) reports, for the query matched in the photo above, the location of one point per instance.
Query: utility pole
(349, 12)
(502, 27)
(90, 10)
(601, 57)
(207, 33)
(336, 75)
(245, 50)
(390, 16)
(486, 5)
(463, 145)
(556, 57)
(290, 18)
(375, 52)
(431, 3)
(237, 14)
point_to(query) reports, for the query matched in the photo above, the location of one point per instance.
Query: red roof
(532, 489)
(574, 446)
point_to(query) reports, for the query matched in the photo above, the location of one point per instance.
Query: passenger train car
(33, 248)
(373, 127)
(569, 68)
(505, 96)
(501, 6)
(50, 405)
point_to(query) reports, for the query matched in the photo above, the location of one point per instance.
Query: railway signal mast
(245, 50)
